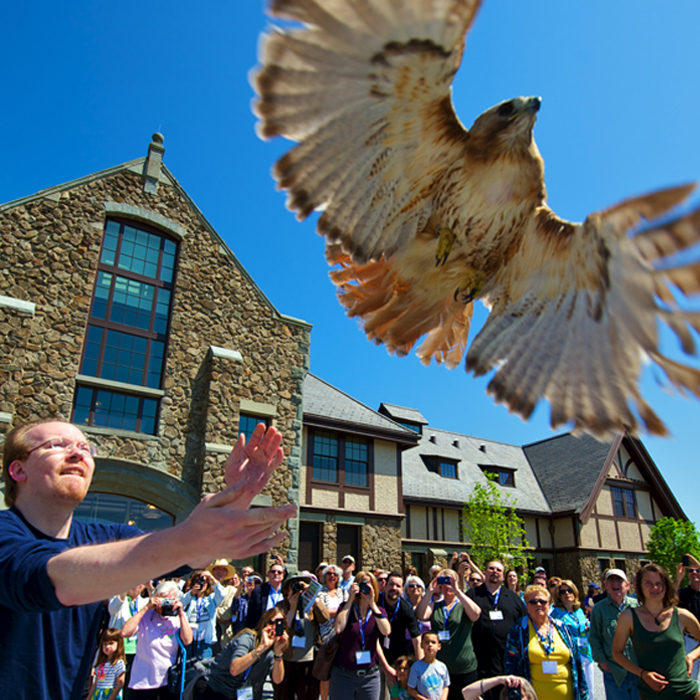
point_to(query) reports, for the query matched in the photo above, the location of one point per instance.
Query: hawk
(422, 217)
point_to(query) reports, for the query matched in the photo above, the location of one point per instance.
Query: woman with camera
(240, 669)
(452, 619)
(156, 624)
(298, 681)
(541, 650)
(204, 594)
(359, 624)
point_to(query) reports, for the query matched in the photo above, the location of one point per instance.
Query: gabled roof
(138, 166)
(471, 454)
(568, 468)
(402, 413)
(325, 405)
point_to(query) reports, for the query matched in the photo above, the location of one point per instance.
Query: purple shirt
(351, 640)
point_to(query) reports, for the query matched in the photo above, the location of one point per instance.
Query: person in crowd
(361, 623)
(320, 569)
(303, 627)
(414, 589)
(332, 597)
(656, 629)
(201, 601)
(541, 650)
(157, 624)
(74, 567)
(618, 684)
(567, 608)
(588, 602)
(121, 608)
(239, 606)
(552, 584)
(227, 576)
(110, 669)
(410, 571)
(452, 619)
(475, 579)
(477, 690)
(500, 608)
(429, 678)
(381, 577)
(512, 582)
(267, 596)
(402, 670)
(689, 599)
(347, 564)
(241, 668)
(464, 566)
(403, 623)
(539, 577)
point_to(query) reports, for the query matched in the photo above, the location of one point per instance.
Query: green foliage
(490, 524)
(669, 540)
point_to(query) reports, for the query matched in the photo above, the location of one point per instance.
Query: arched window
(113, 508)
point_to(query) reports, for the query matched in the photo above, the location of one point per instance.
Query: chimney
(151, 168)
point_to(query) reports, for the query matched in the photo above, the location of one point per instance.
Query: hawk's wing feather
(365, 86)
(574, 316)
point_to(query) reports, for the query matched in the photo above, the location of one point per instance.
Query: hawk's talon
(470, 288)
(446, 239)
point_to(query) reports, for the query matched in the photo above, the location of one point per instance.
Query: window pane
(248, 423)
(618, 502)
(356, 461)
(629, 500)
(448, 469)
(325, 457)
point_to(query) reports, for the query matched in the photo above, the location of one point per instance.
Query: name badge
(444, 635)
(387, 642)
(298, 642)
(244, 694)
(550, 667)
(363, 658)
(496, 614)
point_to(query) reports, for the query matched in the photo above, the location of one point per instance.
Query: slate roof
(567, 468)
(326, 402)
(402, 413)
(421, 484)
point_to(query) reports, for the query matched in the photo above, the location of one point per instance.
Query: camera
(202, 581)
(444, 580)
(365, 588)
(167, 609)
(515, 693)
(279, 628)
(297, 586)
(685, 560)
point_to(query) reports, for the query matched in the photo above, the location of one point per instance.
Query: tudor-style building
(124, 311)
(586, 505)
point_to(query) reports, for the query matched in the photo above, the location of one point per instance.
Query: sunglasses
(331, 573)
(538, 602)
(413, 585)
(693, 571)
(474, 580)
(565, 590)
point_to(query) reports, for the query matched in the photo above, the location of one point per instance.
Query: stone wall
(381, 544)
(50, 251)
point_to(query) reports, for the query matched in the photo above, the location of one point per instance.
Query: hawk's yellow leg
(445, 240)
(471, 287)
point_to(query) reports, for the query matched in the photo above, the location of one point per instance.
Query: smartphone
(279, 628)
(444, 580)
(685, 560)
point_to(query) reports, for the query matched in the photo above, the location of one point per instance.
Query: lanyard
(548, 641)
(362, 623)
(199, 603)
(396, 609)
(495, 597)
(133, 606)
(447, 614)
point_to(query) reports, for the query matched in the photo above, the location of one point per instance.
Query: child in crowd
(110, 670)
(429, 678)
(402, 666)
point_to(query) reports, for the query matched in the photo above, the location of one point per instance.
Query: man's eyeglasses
(538, 602)
(64, 445)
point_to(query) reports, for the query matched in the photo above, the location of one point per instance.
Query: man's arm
(221, 525)
(595, 639)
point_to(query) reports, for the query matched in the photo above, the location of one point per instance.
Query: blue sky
(85, 84)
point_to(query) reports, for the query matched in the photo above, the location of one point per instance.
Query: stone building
(124, 311)
(586, 505)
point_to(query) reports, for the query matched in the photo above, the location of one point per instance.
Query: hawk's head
(505, 128)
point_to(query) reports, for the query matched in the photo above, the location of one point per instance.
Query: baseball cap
(616, 572)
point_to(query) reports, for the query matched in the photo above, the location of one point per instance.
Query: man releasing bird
(422, 217)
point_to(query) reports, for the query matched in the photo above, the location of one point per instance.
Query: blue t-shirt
(429, 679)
(47, 649)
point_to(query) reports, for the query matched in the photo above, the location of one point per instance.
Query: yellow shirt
(550, 686)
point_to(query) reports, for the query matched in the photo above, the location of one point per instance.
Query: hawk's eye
(505, 110)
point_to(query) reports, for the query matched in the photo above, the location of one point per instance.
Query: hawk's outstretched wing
(575, 313)
(370, 104)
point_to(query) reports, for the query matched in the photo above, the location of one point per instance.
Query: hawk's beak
(529, 104)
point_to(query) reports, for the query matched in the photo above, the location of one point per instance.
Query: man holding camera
(55, 572)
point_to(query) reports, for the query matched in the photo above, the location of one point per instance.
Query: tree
(491, 525)
(669, 539)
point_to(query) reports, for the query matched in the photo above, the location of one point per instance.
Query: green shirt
(602, 632)
(457, 653)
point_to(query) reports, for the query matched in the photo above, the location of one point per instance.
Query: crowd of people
(334, 633)
(373, 634)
